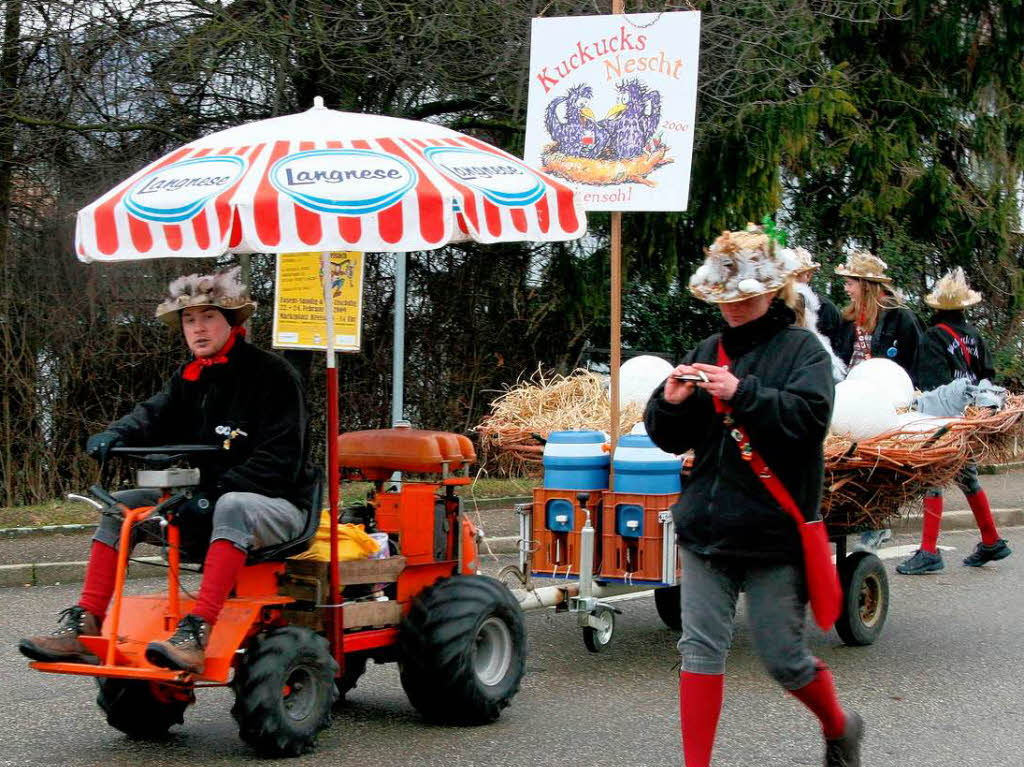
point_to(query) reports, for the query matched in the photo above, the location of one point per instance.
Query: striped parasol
(325, 180)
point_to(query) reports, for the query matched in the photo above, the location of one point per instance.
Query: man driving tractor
(254, 494)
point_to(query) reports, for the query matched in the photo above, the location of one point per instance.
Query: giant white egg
(640, 376)
(891, 379)
(861, 411)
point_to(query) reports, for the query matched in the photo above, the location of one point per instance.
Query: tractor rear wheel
(142, 709)
(462, 650)
(284, 690)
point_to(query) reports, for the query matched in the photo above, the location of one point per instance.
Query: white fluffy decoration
(811, 306)
(891, 379)
(861, 411)
(639, 376)
(914, 421)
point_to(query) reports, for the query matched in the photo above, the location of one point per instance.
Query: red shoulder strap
(771, 482)
(958, 339)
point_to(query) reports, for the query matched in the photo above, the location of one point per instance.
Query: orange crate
(557, 554)
(646, 558)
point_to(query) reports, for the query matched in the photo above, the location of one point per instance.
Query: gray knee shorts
(248, 520)
(776, 606)
(966, 480)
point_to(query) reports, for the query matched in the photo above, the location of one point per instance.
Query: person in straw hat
(255, 494)
(760, 387)
(874, 322)
(827, 312)
(954, 349)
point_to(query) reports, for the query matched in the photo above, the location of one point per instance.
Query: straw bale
(539, 405)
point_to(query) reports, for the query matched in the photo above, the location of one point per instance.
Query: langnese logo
(500, 180)
(343, 182)
(177, 192)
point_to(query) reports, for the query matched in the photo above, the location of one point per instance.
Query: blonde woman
(874, 323)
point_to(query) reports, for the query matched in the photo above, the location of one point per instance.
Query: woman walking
(753, 402)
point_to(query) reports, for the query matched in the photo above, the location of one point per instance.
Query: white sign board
(612, 106)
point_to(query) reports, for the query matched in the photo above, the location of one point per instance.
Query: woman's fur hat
(952, 292)
(862, 265)
(223, 290)
(741, 265)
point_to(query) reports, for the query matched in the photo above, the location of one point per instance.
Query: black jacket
(784, 402)
(829, 318)
(940, 358)
(256, 392)
(896, 337)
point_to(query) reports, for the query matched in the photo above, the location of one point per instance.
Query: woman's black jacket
(896, 337)
(784, 402)
(256, 392)
(940, 358)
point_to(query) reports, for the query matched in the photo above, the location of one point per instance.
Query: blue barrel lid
(580, 437)
(635, 440)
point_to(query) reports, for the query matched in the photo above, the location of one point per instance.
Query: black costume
(255, 392)
(896, 336)
(784, 401)
(941, 358)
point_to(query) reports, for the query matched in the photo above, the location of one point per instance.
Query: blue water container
(643, 467)
(576, 460)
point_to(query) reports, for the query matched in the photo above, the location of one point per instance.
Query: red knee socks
(821, 698)
(932, 522)
(700, 703)
(100, 577)
(220, 570)
(983, 516)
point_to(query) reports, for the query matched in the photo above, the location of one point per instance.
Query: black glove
(197, 509)
(98, 445)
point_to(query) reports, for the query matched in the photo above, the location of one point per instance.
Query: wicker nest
(509, 444)
(869, 482)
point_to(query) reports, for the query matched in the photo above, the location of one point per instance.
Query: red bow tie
(199, 364)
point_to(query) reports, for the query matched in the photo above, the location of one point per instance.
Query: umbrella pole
(332, 455)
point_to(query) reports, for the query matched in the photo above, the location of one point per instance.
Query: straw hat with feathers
(863, 265)
(805, 260)
(952, 292)
(223, 290)
(741, 265)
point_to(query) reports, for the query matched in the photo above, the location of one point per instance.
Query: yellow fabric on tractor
(353, 542)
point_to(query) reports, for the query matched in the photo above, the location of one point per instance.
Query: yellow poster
(299, 320)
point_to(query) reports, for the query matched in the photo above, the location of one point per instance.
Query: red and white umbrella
(323, 181)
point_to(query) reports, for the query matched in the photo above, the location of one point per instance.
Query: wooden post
(616, 306)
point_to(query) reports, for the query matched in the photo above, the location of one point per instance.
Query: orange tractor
(297, 634)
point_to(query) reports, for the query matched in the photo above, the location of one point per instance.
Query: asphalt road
(943, 687)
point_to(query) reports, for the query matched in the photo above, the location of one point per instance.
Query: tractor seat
(285, 549)
(376, 454)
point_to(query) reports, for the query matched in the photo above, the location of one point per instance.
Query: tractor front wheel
(462, 650)
(284, 690)
(143, 709)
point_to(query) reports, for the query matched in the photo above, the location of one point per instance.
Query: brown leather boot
(63, 644)
(185, 650)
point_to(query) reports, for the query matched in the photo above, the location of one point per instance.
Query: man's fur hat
(952, 292)
(741, 265)
(223, 290)
(862, 265)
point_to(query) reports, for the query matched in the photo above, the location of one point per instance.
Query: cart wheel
(865, 598)
(355, 667)
(598, 639)
(666, 600)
